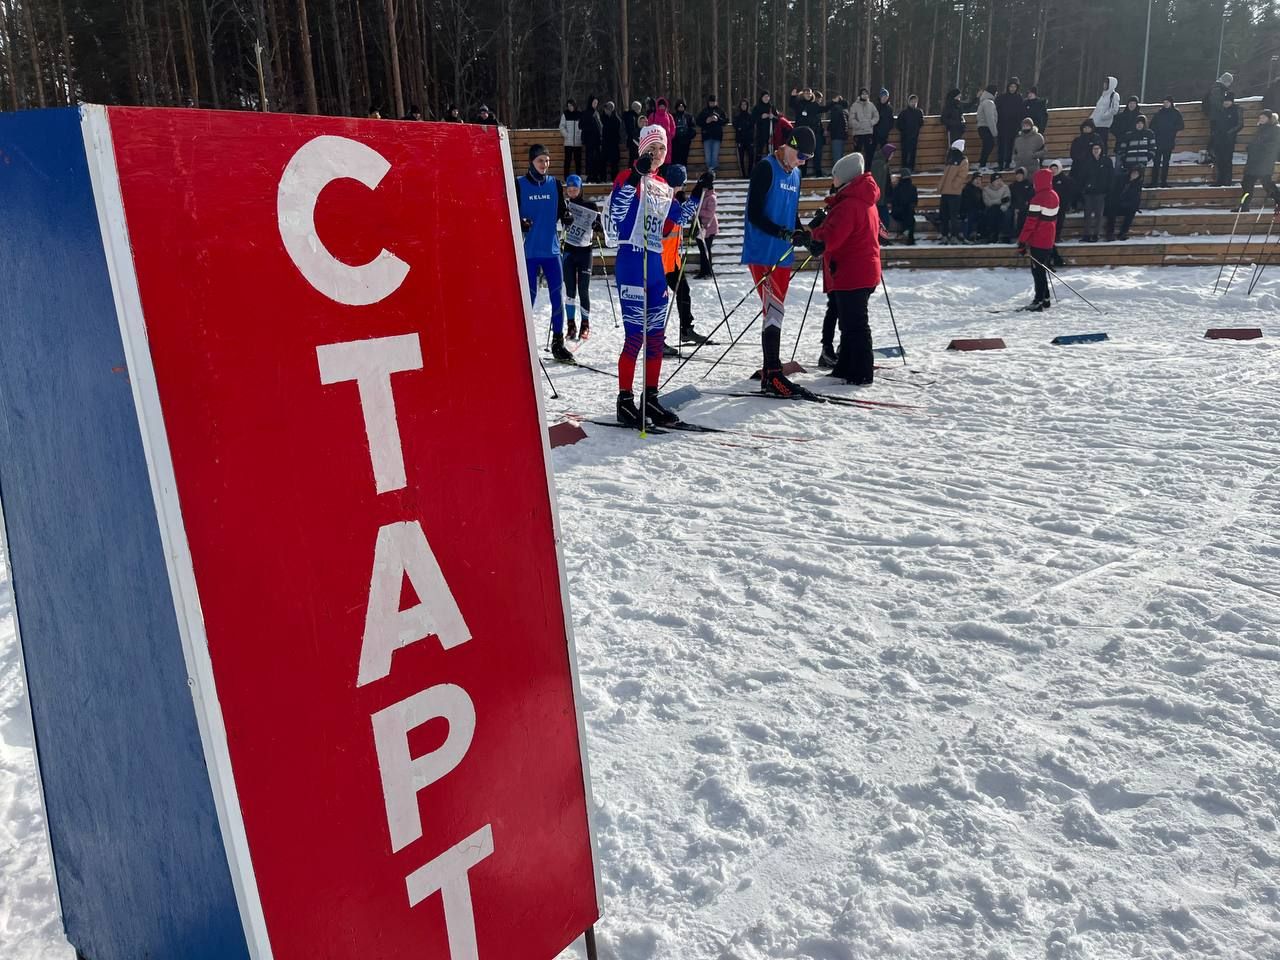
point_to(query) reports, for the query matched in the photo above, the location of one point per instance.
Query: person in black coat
(808, 111)
(1224, 127)
(884, 126)
(1081, 151)
(592, 127)
(1093, 178)
(903, 202)
(1260, 163)
(1021, 190)
(1166, 125)
(952, 116)
(1037, 110)
(744, 126)
(1122, 126)
(686, 130)
(766, 117)
(838, 126)
(633, 122)
(1010, 109)
(910, 121)
(611, 125)
(1123, 202)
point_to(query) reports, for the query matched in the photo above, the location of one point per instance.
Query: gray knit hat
(849, 167)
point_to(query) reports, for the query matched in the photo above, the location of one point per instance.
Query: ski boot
(827, 358)
(584, 331)
(655, 412)
(690, 335)
(628, 415)
(571, 329)
(772, 382)
(558, 351)
(668, 350)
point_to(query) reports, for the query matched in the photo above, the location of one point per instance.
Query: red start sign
(336, 315)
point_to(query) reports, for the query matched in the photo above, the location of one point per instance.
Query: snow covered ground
(995, 679)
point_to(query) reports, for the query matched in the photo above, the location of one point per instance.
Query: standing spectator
(709, 228)
(592, 128)
(661, 117)
(744, 125)
(1123, 202)
(1122, 126)
(1010, 109)
(952, 116)
(884, 124)
(685, 131)
(1093, 179)
(611, 125)
(1223, 130)
(903, 204)
(414, 112)
(849, 239)
(632, 124)
(1038, 236)
(954, 175)
(1260, 162)
(1028, 146)
(673, 256)
(863, 117)
(766, 117)
(997, 216)
(1036, 109)
(711, 122)
(1081, 151)
(485, 117)
(1105, 110)
(988, 124)
(1211, 107)
(452, 114)
(1065, 188)
(1166, 125)
(1020, 193)
(571, 130)
(971, 208)
(910, 120)
(880, 171)
(808, 113)
(374, 113)
(838, 126)
(1139, 147)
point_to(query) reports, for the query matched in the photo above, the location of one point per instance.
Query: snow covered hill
(994, 679)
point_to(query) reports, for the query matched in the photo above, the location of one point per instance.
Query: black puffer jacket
(1264, 152)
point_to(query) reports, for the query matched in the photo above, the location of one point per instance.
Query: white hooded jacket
(1108, 105)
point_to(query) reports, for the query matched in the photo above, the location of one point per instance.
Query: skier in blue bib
(542, 209)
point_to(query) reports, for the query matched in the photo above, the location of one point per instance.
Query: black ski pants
(1267, 184)
(1161, 176)
(1005, 140)
(1039, 258)
(572, 158)
(855, 362)
(678, 283)
(988, 144)
(577, 279)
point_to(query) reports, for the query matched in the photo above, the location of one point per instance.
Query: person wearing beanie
(580, 236)
(1028, 146)
(910, 121)
(571, 131)
(843, 171)
(1020, 194)
(848, 239)
(485, 117)
(808, 112)
(661, 116)
(1261, 157)
(1165, 127)
(1123, 202)
(955, 174)
(766, 117)
(863, 117)
(952, 116)
(685, 132)
(1139, 147)
(641, 208)
(611, 145)
(542, 210)
(1224, 127)
(771, 232)
(1105, 111)
(1010, 110)
(744, 128)
(1122, 127)
(632, 123)
(711, 121)
(885, 120)
(592, 126)
(1038, 236)
(988, 123)
(1082, 146)
(1037, 109)
(1211, 107)
(1092, 178)
(452, 114)
(902, 205)
(880, 171)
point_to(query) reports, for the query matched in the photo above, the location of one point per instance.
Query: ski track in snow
(993, 681)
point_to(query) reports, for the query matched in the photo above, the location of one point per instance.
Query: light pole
(1146, 50)
(961, 9)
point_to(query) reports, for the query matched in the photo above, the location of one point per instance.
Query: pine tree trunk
(933, 47)
(393, 55)
(986, 70)
(825, 74)
(625, 60)
(308, 69)
(10, 69)
(867, 54)
(33, 43)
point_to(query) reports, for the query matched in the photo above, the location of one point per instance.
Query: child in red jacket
(848, 237)
(1039, 234)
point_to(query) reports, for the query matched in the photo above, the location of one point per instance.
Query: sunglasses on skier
(803, 157)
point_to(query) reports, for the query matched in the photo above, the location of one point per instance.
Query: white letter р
(317, 164)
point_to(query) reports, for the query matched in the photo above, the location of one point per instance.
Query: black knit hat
(538, 150)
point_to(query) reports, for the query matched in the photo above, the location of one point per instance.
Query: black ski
(579, 365)
(620, 426)
(807, 395)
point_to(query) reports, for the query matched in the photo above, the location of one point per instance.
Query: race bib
(578, 233)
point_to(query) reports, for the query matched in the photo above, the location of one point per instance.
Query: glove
(644, 164)
(801, 237)
(818, 219)
(526, 224)
(817, 247)
(566, 218)
(1022, 249)
(706, 180)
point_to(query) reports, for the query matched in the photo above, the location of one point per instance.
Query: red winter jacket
(851, 233)
(1041, 229)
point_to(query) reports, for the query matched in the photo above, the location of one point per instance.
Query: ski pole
(1067, 285)
(1266, 256)
(805, 316)
(750, 325)
(607, 288)
(675, 294)
(894, 320)
(716, 283)
(1227, 253)
(725, 321)
(1244, 251)
(555, 394)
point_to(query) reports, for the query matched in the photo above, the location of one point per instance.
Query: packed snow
(993, 678)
